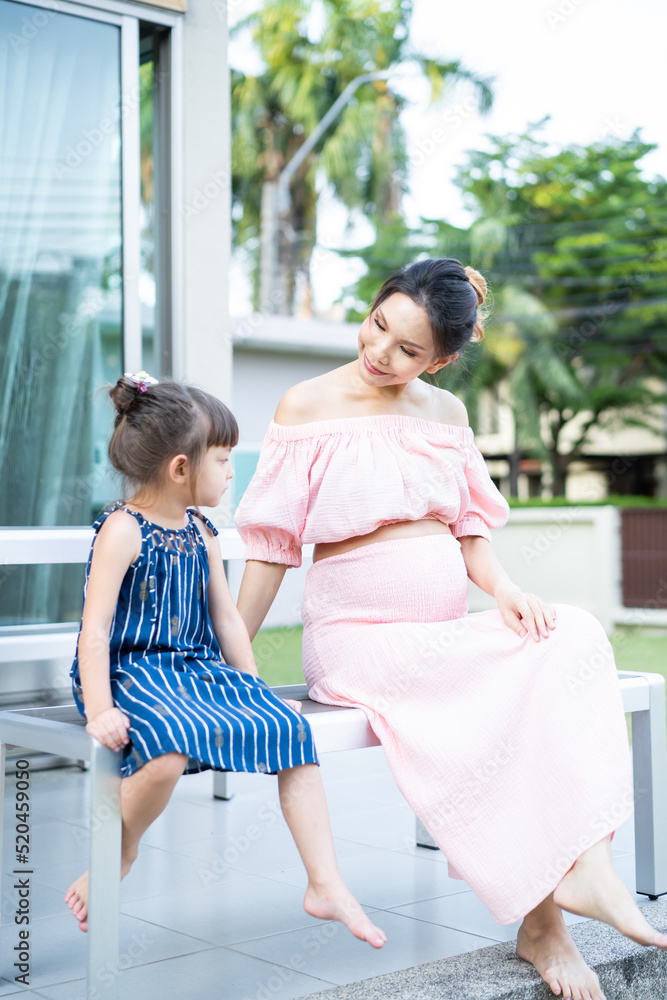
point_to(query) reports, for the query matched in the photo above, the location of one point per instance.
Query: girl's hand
(296, 705)
(525, 612)
(110, 728)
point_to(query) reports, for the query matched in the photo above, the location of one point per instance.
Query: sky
(597, 67)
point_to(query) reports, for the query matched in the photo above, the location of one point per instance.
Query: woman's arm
(259, 586)
(227, 622)
(521, 612)
(117, 546)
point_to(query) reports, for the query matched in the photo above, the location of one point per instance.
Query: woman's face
(396, 344)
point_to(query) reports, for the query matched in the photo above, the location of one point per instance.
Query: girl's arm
(117, 546)
(259, 586)
(228, 625)
(521, 612)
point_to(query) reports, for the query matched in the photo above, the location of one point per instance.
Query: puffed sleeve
(272, 513)
(487, 508)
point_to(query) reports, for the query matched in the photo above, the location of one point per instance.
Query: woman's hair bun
(124, 395)
(478, 282)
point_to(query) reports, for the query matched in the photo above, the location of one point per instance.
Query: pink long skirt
(512, 752)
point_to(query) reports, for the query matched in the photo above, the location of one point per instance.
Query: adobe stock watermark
(239, 845)
(452, 120)
(32, 25)
(562, 11)
(39, 362)
(565, 517)
(222, 7)
(311, 944)
(92, 138)
(601, 661)
(109, 973)
(474, 784)
(602, 823)
(217, 183)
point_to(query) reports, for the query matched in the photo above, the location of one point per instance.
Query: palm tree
(308, 65)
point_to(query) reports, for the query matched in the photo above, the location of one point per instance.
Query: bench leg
(422, 837)
(104, 900)
(649, 755)
(221, 785)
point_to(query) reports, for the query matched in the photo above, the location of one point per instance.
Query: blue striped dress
(167, 672)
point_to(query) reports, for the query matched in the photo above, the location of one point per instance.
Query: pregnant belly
(399, 529)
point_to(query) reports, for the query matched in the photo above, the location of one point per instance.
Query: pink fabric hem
(362, 424)
(564, 870)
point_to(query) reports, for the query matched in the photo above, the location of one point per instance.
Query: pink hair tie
(142, 379)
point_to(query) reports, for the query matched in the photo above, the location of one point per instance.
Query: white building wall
(567, 555)
(261, 378)
(205, 354)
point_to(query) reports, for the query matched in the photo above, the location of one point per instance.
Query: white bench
(59, 729)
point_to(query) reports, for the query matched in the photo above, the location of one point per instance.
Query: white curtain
(60, 300)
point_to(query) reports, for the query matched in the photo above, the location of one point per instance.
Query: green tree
(574, 245)
(363, 154)
(583, 234)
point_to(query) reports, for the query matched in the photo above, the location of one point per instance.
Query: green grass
(640, 652)
(278, 653)
(615, 499)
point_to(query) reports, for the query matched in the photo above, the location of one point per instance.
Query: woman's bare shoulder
(448, 408)
(314, 399)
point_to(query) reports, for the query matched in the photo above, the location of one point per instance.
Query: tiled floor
(212, 908)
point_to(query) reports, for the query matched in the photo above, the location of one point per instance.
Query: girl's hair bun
(124, 395)
(478, 282)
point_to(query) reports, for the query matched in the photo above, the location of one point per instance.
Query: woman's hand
(524, 612)
(110, 728)
(296, 705)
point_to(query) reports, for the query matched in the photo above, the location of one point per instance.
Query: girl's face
(214, 476)
(396, 344)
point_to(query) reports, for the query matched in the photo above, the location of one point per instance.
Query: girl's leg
(327, 897)
(143, 796)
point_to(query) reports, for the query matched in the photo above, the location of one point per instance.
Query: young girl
(164, 667)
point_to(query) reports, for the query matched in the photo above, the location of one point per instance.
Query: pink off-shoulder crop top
(333, 479)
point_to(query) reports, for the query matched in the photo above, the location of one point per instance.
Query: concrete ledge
(626, 970)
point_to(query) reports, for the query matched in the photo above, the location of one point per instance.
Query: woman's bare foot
(592, 888)
(337, 903)
(76, 896)
(545, 942)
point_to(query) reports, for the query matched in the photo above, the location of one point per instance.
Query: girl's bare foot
(545, 942)
(337, 903)
(76, 896)
(592, 888)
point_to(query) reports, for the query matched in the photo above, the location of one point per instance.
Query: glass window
(244, 460)
(60, 283)
(154, 281)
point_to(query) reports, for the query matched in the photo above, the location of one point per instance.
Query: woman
(504, 729)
